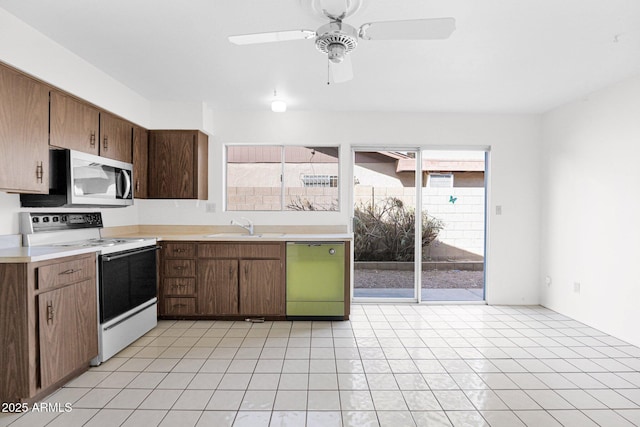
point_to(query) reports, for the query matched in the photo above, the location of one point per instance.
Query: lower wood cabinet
(218, 286)
(66, 324)
(224, 279)
(48, 324)
(262, 289)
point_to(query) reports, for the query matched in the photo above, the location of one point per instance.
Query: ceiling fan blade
(343, 71)
(413, 29)
(276, 36)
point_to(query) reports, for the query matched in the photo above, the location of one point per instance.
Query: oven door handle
(111, 258)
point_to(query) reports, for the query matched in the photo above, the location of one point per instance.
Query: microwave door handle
(127, 184)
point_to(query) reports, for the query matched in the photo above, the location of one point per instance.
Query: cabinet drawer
(179, 286)
(264, 250)
(66, 272)
(179, 268)
(179, 250)
(218, 250)
(179, 306)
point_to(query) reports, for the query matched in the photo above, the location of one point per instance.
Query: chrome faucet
(248, 226)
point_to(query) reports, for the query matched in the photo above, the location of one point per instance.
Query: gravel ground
(433, 279)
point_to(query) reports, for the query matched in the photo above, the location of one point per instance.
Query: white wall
(514, 176)
(513, 141)
(591, 210)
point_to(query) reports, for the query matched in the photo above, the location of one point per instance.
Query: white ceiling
(513, 56)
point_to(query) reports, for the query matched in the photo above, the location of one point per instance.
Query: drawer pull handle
(70, 271)
(180, 251)
(179, 285)
(179, 305)
(105, 145)
(39, 172)
(180, 267)
(50, 312)
(92, 139)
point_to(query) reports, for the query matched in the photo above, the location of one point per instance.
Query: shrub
(385, 231)
(300, 204)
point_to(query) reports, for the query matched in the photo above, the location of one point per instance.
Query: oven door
(127, 280)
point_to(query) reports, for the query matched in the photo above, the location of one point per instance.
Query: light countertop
(41, 253)
(257, 237)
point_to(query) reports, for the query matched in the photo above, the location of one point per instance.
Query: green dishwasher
(315, 280)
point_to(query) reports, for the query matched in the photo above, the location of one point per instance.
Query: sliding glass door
(419, 225)
(453, 201)
(384, 198)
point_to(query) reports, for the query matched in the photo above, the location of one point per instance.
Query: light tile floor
(390, 365)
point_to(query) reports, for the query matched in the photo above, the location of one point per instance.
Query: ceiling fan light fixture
(278, 105)
(336, 52)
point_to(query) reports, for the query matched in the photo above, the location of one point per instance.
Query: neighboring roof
(429, 165)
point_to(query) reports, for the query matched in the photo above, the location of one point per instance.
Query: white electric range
(126, 270)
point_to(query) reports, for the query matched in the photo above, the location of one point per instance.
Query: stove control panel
(35, 222)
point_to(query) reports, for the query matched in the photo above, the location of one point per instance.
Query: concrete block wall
(269, 198)
(461, 209)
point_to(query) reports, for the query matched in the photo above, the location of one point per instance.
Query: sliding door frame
(419, 150)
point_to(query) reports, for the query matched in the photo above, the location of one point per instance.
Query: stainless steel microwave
(81, 179)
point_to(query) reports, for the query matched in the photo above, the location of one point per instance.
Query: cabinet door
(115, 138)
(55, 319)
(261, 287)
(74, 124)
(172, 166)
(85, 341)
(140, 162)
(24, 132)
(217, 286)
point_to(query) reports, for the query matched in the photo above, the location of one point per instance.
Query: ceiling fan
(337, 39)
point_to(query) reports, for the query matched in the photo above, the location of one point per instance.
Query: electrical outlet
(547, 280)
(210, 207)
(576, 287)
(498, 209)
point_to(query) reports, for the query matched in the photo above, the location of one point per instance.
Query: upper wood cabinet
(140, 162)
(78, 125)
(178, 164)
(73, 124)
(116, 137)
(24, 129)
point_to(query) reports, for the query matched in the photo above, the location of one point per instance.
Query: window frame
(283, 178)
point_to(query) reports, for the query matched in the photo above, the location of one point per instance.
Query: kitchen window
(282, 178)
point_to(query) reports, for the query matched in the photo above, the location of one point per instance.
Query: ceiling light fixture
(278, 105)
